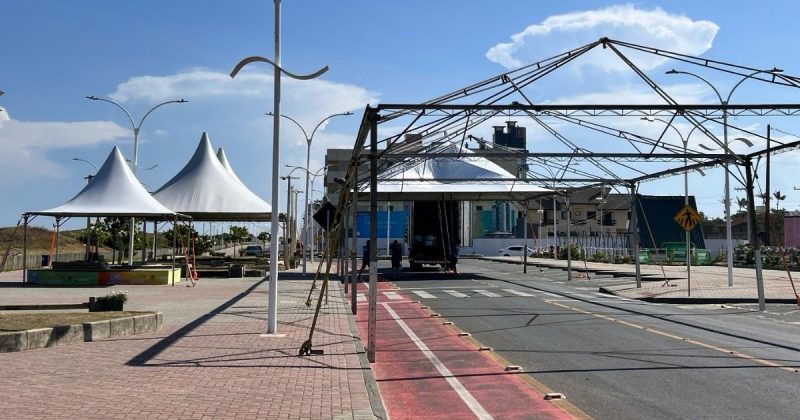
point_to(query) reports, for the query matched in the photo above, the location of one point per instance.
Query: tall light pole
(712, 149)
(309, 139)
(306, 213)
(289, 212)
(136, 129)
(272, 313)
(724, 103)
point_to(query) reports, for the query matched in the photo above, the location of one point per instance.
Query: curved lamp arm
(178, 101)
(84, 160)
(128, 114)
(255, 58)
(774, 70)
(308, 140)
(327, 118)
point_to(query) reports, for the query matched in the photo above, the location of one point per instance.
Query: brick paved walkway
(210, 359)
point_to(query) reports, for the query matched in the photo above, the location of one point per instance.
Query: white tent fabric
(223, 159)
(467, 177)
(205, 190)
(114, 191)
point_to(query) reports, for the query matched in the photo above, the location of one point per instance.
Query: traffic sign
(687, 217)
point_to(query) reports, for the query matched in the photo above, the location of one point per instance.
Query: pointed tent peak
(223, 159)
(114, 191)
(206, 190)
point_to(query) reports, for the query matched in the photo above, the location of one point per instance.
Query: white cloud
(308, 101)
(26, 144)
(654, 28)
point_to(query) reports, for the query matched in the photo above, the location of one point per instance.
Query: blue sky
(140, 53)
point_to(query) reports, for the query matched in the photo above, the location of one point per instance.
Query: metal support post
(347, 272)
(354, 242)
(635, 227)
(751, 210)
(373, 232)
(555, 231)
(25, 250)
(525, 240)
(568, 241)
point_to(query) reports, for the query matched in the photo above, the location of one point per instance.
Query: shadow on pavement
(142, 358)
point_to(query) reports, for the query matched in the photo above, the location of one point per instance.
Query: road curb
(88, 331)
(696, 300)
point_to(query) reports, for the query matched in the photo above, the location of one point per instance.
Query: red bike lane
(425, 369)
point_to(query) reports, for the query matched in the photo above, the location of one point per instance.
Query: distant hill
(39, 240)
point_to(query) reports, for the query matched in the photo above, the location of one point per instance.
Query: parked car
(253, 251)
(514, 251)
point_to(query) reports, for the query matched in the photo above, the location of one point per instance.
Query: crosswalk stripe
(392, 295)
(456, 294)
(361, 298)
(423, 294)
(487, 293)
(518, 293)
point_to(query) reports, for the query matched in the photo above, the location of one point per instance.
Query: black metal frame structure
(593, 146)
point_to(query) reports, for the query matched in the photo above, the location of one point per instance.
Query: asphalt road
(623, 359)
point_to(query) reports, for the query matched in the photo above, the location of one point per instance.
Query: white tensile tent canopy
(465, 178)
(223, 159)
(206, 190)
(113, 191)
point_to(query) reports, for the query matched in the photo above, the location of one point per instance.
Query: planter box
(104, 306)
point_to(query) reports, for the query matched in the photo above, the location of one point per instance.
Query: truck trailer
(434, 232)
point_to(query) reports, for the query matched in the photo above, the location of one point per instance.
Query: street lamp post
(289, 203)
(309, 139)
(307, 211)
(272, 315)
(724, 103)
(136, 129)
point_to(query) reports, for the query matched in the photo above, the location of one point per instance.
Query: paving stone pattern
(209, 360)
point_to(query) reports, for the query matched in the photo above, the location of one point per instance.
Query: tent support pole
(25, 250)
(174, 246)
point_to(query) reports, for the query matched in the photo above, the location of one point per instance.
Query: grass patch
(30, 320)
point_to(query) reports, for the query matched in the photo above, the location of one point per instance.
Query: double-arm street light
(136, 130)
(724, 103)
(309, 139)
(307, 216)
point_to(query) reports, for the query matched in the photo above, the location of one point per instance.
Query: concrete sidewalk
(210, 359)
(709, 284)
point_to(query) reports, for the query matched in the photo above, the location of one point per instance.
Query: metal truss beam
(579, 110)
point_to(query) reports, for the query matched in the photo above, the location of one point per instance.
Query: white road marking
(423, 294)
(392, 295)
(456, 294)
(487, 293)
(361, 298)
(462, 392)
(518, 293)
(552, 294)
